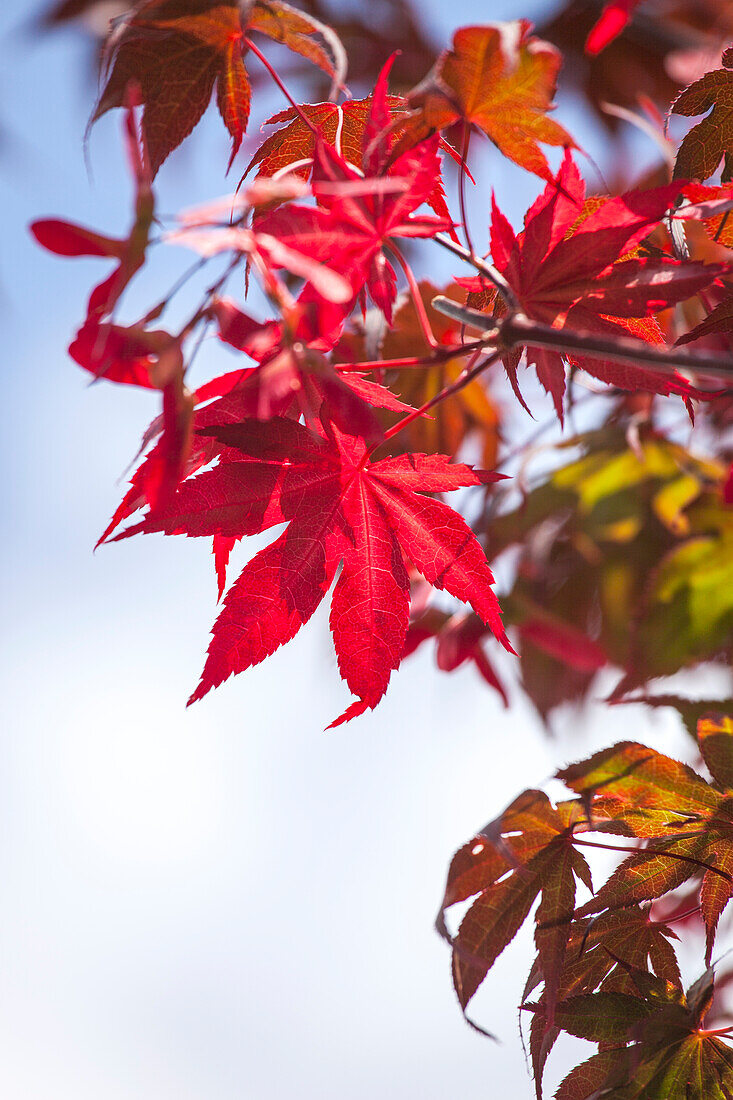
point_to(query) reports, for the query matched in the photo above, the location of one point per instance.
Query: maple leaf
(175, 51)
(598, 953)
(347, 127)
(565, 271)
(341, 509)
(290, 373)
(711, 140)
(525, 852)
(352, 229)
(660, 1050)
(502, 80)
(225, 399)
(292, 146)
(357, 217)
(687, 822)
(614, 17)
(67, 239)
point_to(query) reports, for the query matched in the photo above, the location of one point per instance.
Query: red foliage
(345, 425)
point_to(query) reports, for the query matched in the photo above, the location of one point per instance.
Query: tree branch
(517, 330)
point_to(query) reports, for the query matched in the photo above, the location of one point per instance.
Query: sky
(223, 902)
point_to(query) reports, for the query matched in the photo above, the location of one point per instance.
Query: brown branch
(518, 330)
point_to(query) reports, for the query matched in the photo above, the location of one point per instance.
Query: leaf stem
(420, 310)
(467, 376)
(441, 354)
(462, 187)
(301, 114)
(487, 269)
(652, 853)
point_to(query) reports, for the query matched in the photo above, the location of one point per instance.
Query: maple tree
(367, 394)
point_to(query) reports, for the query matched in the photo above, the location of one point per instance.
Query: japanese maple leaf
(687, 822)
(599, 952)
(357, 217)
(352, 227)
(653, 1044)
(67, 239)
(526, 852)
(290, 373)
(502, 80)
(711, 140)
(347, 127)
(175, 51)
(568, 275)
(293, 144)
(341, 509)
(121, 355)
(614, 17)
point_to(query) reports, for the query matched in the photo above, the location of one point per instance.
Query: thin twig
(483, 266)
(467, 376)
(299, 111)
(417, 301)
(462, 188)
(439, 355)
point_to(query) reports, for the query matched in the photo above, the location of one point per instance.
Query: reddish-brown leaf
(502, 80)
(711, 140)
(176, 51)
(688, 822)
(527, 851)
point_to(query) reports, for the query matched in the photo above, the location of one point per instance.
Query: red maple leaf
(342, 509)
(357, 217)
(349, 128)
(292, 374)
(351, 229)
(565, 271)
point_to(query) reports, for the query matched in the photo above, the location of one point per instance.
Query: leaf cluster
(606, 969)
